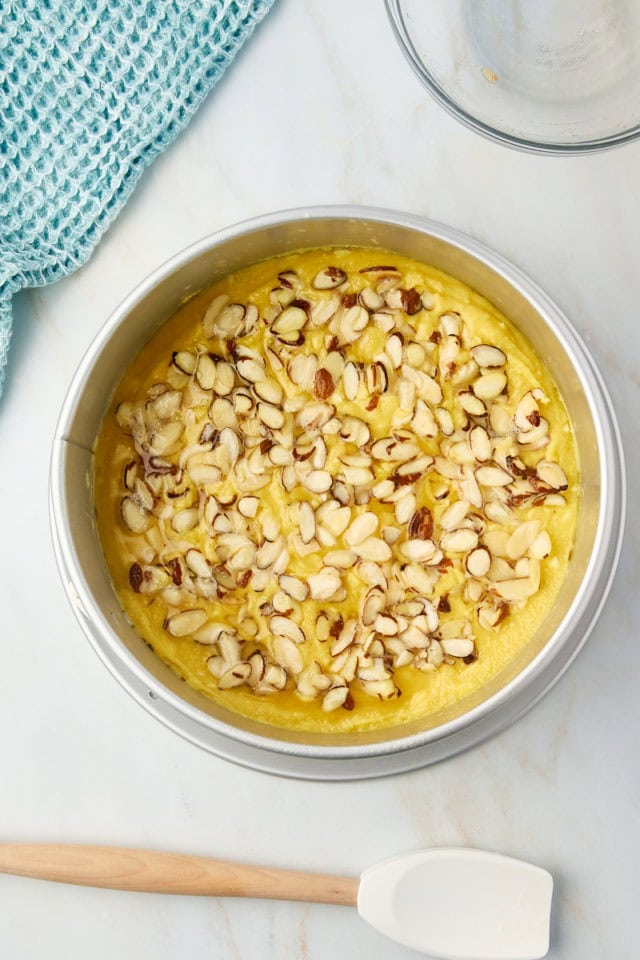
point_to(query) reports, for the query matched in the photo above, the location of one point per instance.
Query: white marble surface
(320, 107)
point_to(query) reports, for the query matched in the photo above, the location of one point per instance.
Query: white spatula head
(460, 904)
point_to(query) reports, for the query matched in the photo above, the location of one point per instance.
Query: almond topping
(421, 524)
(318, 481)
(284, 627)
(329, 278)
(552, 474)
(334, 698)
(478, 562)
(323, 384)
(486, 355)
(489, 385)
(185, 623)
(459, 541)
(390, 454)
(134, 515)
(491, 476)
(323, 585)
(361, 528)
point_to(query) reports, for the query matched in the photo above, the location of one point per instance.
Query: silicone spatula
(452, 903)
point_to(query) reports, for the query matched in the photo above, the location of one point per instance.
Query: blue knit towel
(90, 92)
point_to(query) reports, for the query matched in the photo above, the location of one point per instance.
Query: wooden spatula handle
(154, 872)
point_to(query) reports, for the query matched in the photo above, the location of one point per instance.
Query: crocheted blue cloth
(90, 93)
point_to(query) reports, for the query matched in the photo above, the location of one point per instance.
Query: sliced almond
(269, 390)
(248, 506)
(186, 622)
(318, 481)
(324, 584)
(521, 539)
(480, 444)
(416, 467)
(373, 548)
(135, 517)
(271, 415)
(306, 521)
(415, 355)
(386, 625)
(469, 488)
(329, 278)
(210, 632)
(404, 508)
(390, 449)
(478, 561)
(334, 698)
(541, 546)
(186, 520)
(225, 381)
(471, 404)
(423, 421)
(461, 540)
(418, 579)
(497, 511)
(357, 475)
(351, 381)
(235, 676)
(344, 639)
(487, 355)
(343, 559)
(354, 431)
(268, 553)
(527, 415)
(489, 385)
(323, 385)
(206, 372)
(354, 320)
(384, 320)
(370, 299)
(184, 361)
(275, 678)
(336, 520)
(323, 310)
(552, 474)
(314, 416)
(209, 321)
(492, 476)
(362, 527)
(291, 320)
(294, 587)
(454, 514)
(288, 655)
(285, 627)
(450, 324)
(445, 420)
(373, 604)
(251, 370)
(517, 589)
(457, 647)
(166, 437)
(417, 551)
(394, 349)
(421, 525)
(537, 437)
(166, 405)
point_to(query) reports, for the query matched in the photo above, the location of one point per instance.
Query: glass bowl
(548, 77)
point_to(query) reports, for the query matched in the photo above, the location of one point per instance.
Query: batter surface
(337, 491)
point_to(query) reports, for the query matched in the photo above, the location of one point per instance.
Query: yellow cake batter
(435, 313)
